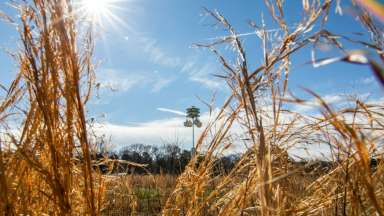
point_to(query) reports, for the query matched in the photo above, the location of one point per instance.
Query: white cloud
(336, 100)
(160, 132)
(157, 132)
(313, 104)
(122, 135)
(377, 101)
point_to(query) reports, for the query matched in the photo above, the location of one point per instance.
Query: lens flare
(95, 10)
(100, 12)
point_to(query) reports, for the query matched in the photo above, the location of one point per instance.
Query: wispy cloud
(202, 74)
(123, 84)
(160, 83)
(177, 112)
(368, 80)
(123, 81)
(207, 82)
(158, 55)
(196, 69)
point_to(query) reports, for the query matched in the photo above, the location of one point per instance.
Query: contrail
(177, 112)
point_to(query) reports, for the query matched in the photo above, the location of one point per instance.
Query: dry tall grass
(46, 166)
(137, 194)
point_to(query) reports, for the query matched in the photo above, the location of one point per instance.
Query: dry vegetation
(45, 154)
(46, 164)
(137, 194)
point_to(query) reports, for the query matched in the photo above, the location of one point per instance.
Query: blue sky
(147, 63)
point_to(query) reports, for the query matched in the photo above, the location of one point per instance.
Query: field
(147, 194)
(137, 194)
(48, 148)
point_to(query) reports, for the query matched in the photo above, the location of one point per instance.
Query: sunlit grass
(48, 166)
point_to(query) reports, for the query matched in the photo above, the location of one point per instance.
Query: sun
(96, 7)
(97, 11)
(104, 14)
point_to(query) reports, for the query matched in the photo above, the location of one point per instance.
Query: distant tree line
(167, 159)
(171, 159)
